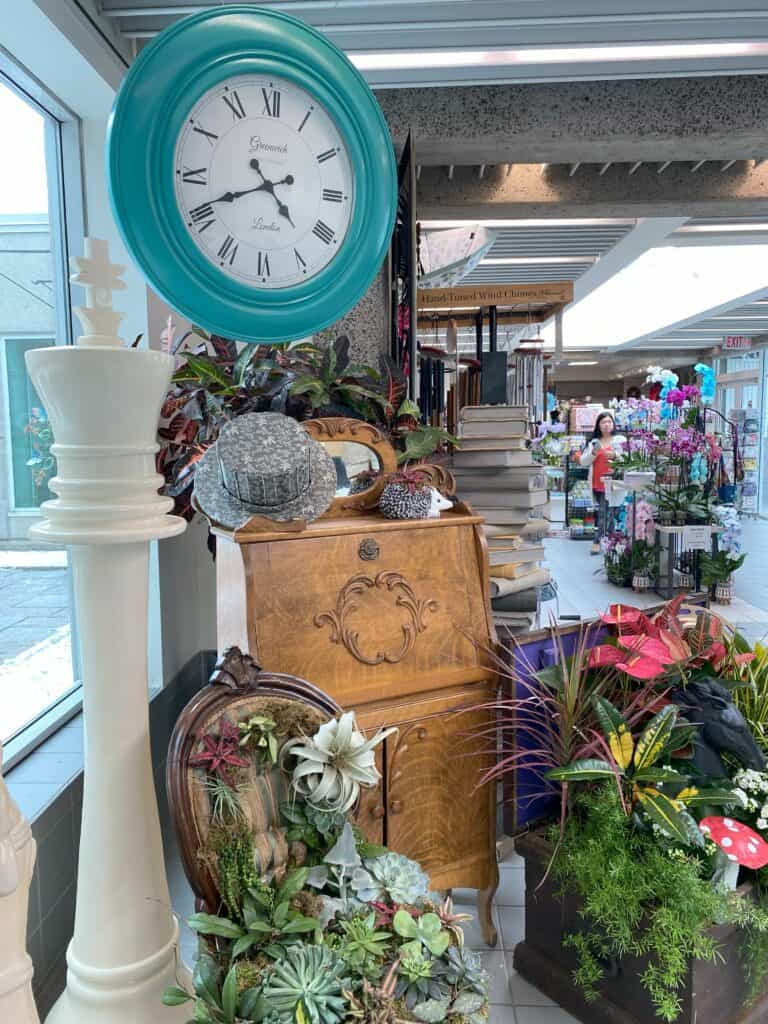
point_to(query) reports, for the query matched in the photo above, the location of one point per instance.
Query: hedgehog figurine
(407, 495)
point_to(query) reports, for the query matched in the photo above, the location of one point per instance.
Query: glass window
(38, 653)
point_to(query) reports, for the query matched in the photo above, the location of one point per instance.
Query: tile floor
(584, 591)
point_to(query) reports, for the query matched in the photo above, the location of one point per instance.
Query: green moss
(250, 973)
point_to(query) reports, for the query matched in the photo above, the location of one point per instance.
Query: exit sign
(737, 341)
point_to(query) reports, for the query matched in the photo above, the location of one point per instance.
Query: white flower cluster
(752, 793)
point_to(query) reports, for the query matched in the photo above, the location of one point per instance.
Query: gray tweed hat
(264, 464)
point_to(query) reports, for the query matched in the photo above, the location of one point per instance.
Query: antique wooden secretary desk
(393, 620)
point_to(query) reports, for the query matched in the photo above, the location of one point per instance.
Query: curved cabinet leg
(485, 907)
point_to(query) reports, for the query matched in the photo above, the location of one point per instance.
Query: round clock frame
(164, 84)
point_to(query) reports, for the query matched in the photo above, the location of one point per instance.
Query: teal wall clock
(251, 174)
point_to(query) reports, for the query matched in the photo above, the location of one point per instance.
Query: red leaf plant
(647, 648)
(548, 721)
(220, 754)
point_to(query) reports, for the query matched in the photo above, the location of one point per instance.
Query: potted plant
(644, 565)
(627, 921)
(666, 504)
(717, 571)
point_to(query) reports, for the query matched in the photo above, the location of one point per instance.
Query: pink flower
(675, 397)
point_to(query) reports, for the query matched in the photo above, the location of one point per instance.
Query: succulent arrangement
(346, 931)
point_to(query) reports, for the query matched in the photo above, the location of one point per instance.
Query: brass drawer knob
(378, 812)
(396, 806)
(368, 550)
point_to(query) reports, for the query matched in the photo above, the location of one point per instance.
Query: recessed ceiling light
(525, 57)
(583, 362)
(731, 229)
(576, 223)
(514, 261)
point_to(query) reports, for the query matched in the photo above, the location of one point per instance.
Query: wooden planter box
(714, 992)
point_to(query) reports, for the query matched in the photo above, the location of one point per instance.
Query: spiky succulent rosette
(310, 977)
(330, 767)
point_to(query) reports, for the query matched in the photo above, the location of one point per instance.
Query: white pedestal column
(17, 861)
(103, 402)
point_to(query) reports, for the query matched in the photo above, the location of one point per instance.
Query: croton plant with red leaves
(647, 647)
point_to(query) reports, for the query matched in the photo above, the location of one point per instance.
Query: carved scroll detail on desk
(343, 631)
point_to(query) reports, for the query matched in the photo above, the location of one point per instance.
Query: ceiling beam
(720, 118)
(528, 191)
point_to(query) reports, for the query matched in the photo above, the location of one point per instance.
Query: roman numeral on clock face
(323, 232)
(327, 155)
(203, 216)
(210, 137)
(305, 119)
(271, 103)
(332, 195)
(228, 250)
(263, 266)
(194, 177)
(301, 263)
(234, 103)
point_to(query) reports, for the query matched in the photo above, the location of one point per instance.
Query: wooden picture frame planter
(714, 993)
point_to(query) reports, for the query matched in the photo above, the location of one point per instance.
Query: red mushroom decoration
(740, 844)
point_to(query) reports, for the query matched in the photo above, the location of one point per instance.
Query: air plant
(331, 766)
(226, 808)
(219, 755)
(258, 733)
(452, 922)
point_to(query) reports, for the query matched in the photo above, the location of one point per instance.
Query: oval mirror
(357, 466)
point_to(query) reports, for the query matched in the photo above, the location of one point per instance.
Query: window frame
(67, 222)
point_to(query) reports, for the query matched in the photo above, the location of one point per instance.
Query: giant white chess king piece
(103, 402)
(17, 861)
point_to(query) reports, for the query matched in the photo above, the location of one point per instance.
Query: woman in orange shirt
(597, 455)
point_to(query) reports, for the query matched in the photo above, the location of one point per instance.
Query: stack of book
(496, 475)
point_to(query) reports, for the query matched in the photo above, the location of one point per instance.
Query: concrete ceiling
(508, 40)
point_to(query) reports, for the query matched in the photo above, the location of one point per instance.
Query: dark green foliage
(237, 872)
(639, 896)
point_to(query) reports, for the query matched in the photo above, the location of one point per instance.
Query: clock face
(263, 182)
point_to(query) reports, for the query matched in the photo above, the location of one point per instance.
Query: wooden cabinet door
(371, 809)
(436, 813)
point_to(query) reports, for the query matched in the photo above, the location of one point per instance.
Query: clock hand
(229, 197)
(282, 209)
